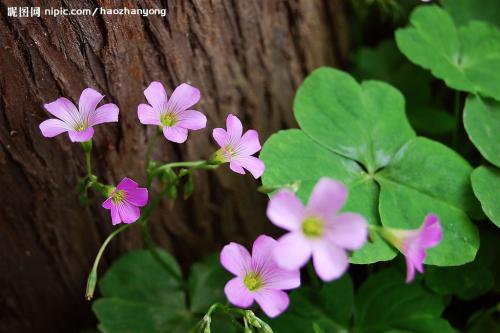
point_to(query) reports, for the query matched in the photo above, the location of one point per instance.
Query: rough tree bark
(247, 57)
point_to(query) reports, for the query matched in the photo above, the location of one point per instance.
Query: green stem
(87, 148)
(191, 164)
(456, 116)
(92, 279)
(88, 164)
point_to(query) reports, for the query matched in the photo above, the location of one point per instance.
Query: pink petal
(261, 248)
(272, 302)
(234, 128)
(156, 96)
(81, 136)
(148, 115)
(107, 113)
(282, 279)
(137, 197)
(65, 110)
(220, 136)
(236, 259)
(88, 102)
(410, 270)
(249, 143)
(128, 213)
(252, 164)
(237, 293)
(127, 184)
(236, 167)
(431, 232)
(327, 197)
(183, 97)
(175, 134)
(285, 210)
(292, 251)
(193, 120)
(53, 127)
(348, 230)
(115, 215)
(330, 261)
(108, 203)
(414, 256)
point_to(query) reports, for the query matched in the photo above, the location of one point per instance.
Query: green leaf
(464, 11)
(384, 302)
(434, 170)
(329, 308)
(486, 186)
(466, 58)
(366, 122)
(482, 123)
(346, 124)
(415, 184)
(139, 296)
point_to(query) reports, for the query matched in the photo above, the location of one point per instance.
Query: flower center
(313, 227)
(119, 196)
(230, 150)
(253, 281)
(168, 119)
(80, 127)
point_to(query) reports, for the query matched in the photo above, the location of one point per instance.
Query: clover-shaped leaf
(359, 134)
(467, 58)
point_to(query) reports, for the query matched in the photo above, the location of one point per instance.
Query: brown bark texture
(246, 56)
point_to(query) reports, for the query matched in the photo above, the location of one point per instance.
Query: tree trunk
(246, 57)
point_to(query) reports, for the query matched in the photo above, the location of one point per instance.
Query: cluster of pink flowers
(175, 118)
(317, 230)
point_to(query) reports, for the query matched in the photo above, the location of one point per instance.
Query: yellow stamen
(313, 227)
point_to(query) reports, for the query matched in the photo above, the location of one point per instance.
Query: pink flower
(124, 201)
(237, 149)
(318, 230)
(257, 277)
(172, 115)
(78, 122)
(414, 243)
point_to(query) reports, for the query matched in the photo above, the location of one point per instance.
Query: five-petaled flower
(124, 201)
(414, 243)
(172, 115)
(318, 230)
(78, 122)
(237, 148)
(258, 277)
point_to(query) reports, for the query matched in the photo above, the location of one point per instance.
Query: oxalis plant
(354, 184)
